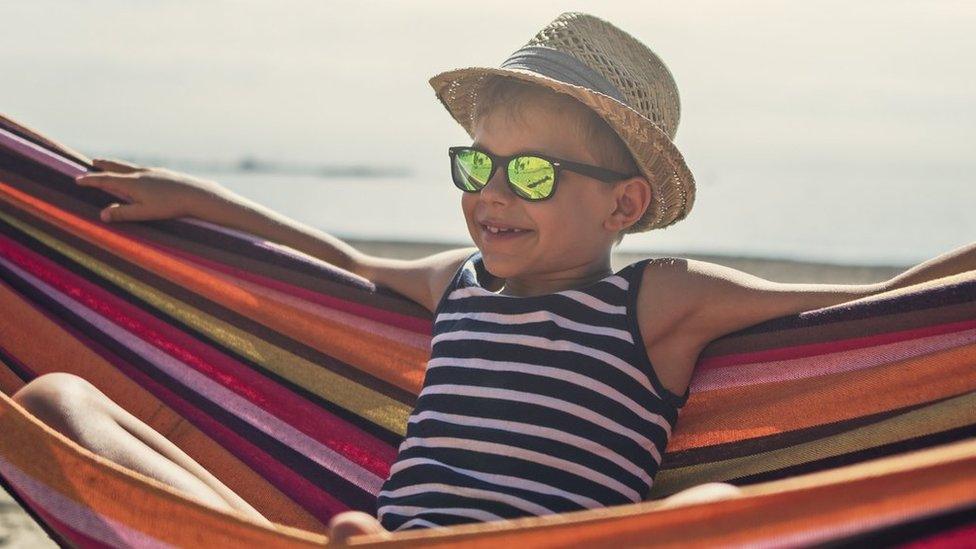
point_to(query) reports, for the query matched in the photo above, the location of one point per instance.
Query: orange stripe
(46, 347)
(830, 503)
(353, 325)
(139, 502)
(738, 413)
(385, 359)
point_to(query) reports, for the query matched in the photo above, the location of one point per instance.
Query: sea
(832, 131)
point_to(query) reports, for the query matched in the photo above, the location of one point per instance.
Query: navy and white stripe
(530, 406)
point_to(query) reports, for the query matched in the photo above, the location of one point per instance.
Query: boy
(554, 383)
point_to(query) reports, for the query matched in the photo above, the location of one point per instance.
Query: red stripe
(356, 445)
(814, 349)
(964, 536)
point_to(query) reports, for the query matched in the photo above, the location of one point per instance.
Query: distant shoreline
(255, 165)
(779, 270)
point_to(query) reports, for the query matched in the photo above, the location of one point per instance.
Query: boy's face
(563, 232)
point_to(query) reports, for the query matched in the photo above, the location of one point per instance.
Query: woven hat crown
(611, 73)
(637, 72)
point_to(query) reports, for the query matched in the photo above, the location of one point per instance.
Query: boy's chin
(500, 265)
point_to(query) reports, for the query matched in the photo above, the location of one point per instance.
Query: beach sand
(17, 529)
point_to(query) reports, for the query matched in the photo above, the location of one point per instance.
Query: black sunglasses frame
(596, 172)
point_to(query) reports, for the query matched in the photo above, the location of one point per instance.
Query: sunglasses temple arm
(593, 171)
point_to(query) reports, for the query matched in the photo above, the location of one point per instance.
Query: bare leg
(77, 409)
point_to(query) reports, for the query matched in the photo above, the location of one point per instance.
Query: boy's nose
(497, 189)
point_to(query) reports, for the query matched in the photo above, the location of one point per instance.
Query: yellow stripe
(341, 391)
(949, 414)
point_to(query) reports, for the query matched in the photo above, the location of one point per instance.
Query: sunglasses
(531, 176)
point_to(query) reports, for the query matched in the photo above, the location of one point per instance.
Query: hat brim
(657, 157)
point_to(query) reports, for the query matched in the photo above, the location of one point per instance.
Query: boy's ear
(631, 199)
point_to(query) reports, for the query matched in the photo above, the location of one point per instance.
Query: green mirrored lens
(471, 170)
(532, 177)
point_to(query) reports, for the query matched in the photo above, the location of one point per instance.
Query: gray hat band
(563, 67)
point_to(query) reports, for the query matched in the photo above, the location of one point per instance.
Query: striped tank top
(530, 406)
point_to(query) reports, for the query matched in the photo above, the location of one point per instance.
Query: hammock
(292, 380)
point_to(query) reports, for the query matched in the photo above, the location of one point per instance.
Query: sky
(789, 110)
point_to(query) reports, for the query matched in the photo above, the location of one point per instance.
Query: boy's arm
(154, 193)
(422, 280)
(955, 261)
(712, 300)
(234, 211)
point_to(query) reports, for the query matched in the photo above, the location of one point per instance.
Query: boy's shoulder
(666, 297)
(663, 299)
(671, 290)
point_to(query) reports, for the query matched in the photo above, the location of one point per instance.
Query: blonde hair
(604, 143)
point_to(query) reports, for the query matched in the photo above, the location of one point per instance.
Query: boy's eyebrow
(477, 145)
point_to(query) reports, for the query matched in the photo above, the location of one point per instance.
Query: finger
(120, 166)
(127, 212)
(96, 179)
(113, 183)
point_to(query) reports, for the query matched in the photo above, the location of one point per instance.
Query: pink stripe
(833, 363)
(39, 154)
(67, 533)
(313, 499)
(309, 496)
(354, 444)
(396, 320)
(228, 231)
(813, 349)
(52, 504)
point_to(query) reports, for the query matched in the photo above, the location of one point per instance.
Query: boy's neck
(569, 279)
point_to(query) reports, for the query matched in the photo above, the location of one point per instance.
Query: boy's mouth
(495, 230)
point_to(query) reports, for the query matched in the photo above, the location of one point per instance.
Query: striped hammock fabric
(292, 380)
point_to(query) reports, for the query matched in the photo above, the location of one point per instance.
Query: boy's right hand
(157, 193)
(150, 193)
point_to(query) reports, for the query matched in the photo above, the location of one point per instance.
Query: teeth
(496, 230)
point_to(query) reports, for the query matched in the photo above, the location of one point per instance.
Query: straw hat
(615, 75)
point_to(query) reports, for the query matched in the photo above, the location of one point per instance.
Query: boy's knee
(352, 523)
(709, 491)
(52, 397)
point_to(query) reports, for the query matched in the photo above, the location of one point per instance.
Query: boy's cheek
(468, 202)
(467, 209)
(469, 219)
